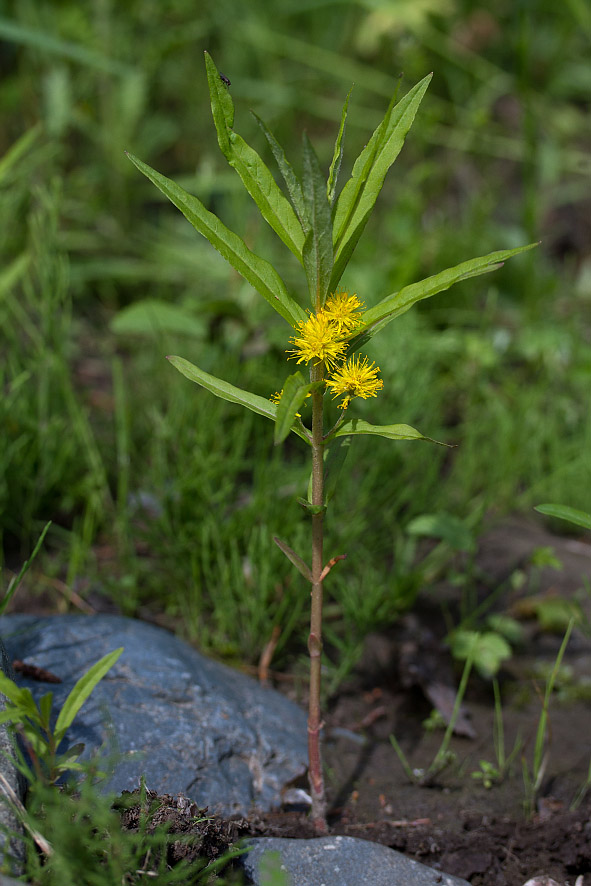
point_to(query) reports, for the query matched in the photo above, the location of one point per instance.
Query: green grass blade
(18, 150)
(356, 426)
(563, 512)
(294, 186)
(295, 391)
(337, 157)
(360, 193)
(15, 582)
(44, 42)
(541, 732)
(318, 251)
(376, 318)
(12, 274)
(226, 391)
(255, 175)
(258, 272)
(82, 690)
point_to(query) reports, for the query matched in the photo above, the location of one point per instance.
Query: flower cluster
(324, 337)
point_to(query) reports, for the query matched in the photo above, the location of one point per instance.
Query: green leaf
(16, 580)
(337, 157)
(488, 650)
(564, 512)
(67, 759)
(392, 432)
(21, 698)
(222, 106)
(226, 391)
(294, 186)
(295, 391)
(376, 318)
(313, 510)
(258, 272)
(256, 177)
(317, 253)
(334, 460)
(45, 705)
(360, 193)
(509, 628)
(294, 558)
(19, 148)
(448, 528)
(151, 316)
(82, 690)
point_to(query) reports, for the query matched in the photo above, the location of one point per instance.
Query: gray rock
(10, 781)
(337, 861)
(191, 725)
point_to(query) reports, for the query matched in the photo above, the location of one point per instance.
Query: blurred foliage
(99, 279)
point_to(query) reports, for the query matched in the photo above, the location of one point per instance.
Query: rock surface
(10, 781)
(339, 861)
(191, 725)
(196, 728)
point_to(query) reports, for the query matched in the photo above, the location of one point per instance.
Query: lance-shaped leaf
(337, 157)
(226, 391)
(318, 253)
(293, 183)
(392, 432)
(222, 106)
(564, 512)
(357, 198)
(334, 461)
(376, 318)
(295, 391)
(294, 558)
(255, 175)
(258, 272)
(82, 690)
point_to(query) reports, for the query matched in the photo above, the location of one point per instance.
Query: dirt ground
(454, 822)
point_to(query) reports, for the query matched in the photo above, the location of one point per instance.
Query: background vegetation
(164, 500)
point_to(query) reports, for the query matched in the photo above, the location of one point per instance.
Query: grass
(150, 507)
(148, 504)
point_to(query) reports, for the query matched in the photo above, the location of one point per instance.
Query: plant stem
(318, 812)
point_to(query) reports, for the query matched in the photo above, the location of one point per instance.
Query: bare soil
(453, 822)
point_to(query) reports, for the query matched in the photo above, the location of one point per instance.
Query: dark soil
(453, 822)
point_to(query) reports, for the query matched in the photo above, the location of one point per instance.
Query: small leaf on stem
(295, 391)
(335, 166)
(330, 564)
(294, 558)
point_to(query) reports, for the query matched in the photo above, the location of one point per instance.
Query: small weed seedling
(444, 757)
(494, 773)
(321, 229)
(33, 721)
(532, 778)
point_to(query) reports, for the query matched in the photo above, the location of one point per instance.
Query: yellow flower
(318, 340)
(344, 311)
(355, 378)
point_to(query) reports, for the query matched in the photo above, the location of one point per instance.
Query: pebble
(337, 861)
